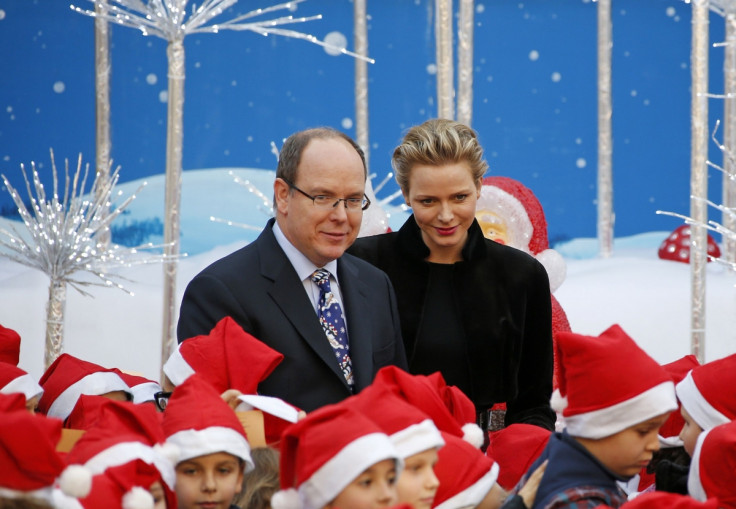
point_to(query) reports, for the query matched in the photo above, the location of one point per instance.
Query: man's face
(329, 167)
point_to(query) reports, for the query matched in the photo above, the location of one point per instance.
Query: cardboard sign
(69, 437)
(252, 421)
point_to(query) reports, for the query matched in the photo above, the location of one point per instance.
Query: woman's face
(443, 200)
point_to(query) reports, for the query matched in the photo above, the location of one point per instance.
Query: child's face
(208, 482)
(375, 487)
(159, 497)
(690, 431)
(417, 484)
(630, 450)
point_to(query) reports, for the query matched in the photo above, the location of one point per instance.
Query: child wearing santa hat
(668, 469)
(337, 457)
(14, 380)
(68, 377)
(9, 346)
(515, 448)
(613, 398)
(32, 474)
(704, 402)
(448, 407)
(713, 469)
(234, 362)
(467, 476)
(213, 448)
(124, 450)
(415, 437)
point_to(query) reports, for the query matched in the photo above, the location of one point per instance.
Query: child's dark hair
(262, 482)
(24, 503)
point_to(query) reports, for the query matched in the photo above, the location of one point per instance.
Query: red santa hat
(515, 448)
(506, 199)
(124, 432)
(199, 422)
(15, 380)
(701, 392)
(9, 346)
(410, 429)
(86, 412)
(466, 475)
(665, 500)
(713, 466)
(607, 384)
(324, 452)
(141, 388)
(68, 378)
(30, 464)
(448, 409)
(227, 357)
(126, 487)
(669, 433)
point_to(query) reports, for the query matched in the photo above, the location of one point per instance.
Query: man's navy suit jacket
(258, 287)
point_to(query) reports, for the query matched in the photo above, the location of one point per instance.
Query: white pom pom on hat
(169, 451)
(473, 434)
(76, 481)
(285, 499)
(556, 267)
(138, 498)
(558, 402)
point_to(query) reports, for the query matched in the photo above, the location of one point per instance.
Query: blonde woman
(475, 310)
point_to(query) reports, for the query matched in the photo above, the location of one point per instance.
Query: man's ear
(281, 194)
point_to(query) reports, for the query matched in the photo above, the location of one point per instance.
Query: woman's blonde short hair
(437, 142)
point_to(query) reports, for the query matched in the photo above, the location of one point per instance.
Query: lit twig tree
(63, 238)
(724, 228)
(171, 21)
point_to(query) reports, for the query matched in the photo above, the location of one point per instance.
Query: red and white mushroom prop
(676, 246)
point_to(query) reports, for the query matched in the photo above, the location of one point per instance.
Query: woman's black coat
(502, 298)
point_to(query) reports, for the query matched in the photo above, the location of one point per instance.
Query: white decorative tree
(63, 238)
(170, 20)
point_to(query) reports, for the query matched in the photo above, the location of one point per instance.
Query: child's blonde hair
(262, 482)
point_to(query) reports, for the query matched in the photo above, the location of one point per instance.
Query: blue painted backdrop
(534, 98)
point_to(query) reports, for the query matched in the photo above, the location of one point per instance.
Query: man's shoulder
(237, 257)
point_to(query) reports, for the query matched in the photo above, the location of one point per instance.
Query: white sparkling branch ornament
(172, 20)
(63, 239)
(725, 228)
(168, 20)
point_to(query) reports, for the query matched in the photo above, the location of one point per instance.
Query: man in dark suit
(267, 286)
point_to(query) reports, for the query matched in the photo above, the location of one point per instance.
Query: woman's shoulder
(370, 247)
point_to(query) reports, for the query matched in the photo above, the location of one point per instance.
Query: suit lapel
(355, 300)
(289, 296)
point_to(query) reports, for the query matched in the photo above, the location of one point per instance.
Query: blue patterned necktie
(333, 323)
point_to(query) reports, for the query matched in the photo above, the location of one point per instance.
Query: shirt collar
(302, 265)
